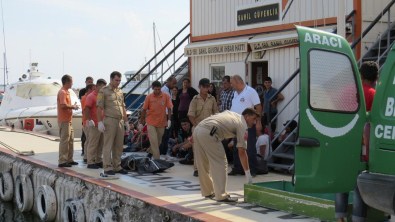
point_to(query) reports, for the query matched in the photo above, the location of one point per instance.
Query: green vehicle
(332, 117)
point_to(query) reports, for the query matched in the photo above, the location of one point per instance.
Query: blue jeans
(251, 152)
(359, 210)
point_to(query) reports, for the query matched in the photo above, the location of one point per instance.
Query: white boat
(31, 104)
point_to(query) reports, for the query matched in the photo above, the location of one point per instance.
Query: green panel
(382, 134)
(332, 113)
(280, 195)
(289, 202)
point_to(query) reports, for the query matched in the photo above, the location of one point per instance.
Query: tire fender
(101, 215)
(46, 203)
(6, 186)
(24, 193)
(73, 210)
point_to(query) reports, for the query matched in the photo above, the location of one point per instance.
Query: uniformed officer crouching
(210, 155)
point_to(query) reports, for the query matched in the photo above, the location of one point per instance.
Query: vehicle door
(382, 118)
(332, 114)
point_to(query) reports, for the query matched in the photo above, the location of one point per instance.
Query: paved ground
(175, 186)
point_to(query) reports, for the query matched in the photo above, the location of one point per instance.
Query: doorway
(259, 70)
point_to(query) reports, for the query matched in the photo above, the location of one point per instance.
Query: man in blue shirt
(270, 106)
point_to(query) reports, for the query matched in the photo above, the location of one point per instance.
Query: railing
(374, 22)
(296, 73)
(158, 70)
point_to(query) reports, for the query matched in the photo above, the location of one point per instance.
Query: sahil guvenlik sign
(266, 13)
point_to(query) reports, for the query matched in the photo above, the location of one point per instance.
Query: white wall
(218, 16)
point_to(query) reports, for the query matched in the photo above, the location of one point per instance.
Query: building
(257, 38)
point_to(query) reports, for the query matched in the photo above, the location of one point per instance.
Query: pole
(4, 69)
(154, 44)
(341, 18)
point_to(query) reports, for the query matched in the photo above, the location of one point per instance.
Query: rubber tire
(73, 210)
(101, 215)
(24, 193)
(46, 203)
(6, 186)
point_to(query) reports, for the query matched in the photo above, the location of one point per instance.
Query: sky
(85, 37)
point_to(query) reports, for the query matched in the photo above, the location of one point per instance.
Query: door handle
(308, 142)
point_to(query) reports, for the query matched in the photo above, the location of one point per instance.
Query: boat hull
(42, 124)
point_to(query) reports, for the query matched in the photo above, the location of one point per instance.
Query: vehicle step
(280, 166)
(284, 155)
(289, 143)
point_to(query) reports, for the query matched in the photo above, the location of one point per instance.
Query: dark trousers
(251, 152)
(228, 152)
(164, 144)
(83, 139)
(267, 119)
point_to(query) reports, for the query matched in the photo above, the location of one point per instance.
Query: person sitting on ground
(287, 135)
(140, 141)
(181, 146)
(263, 149)
(132, 132)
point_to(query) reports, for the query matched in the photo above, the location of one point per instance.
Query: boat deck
(176, 189)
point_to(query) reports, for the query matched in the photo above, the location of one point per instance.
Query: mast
(5, 49)
(154, 43)
(4, 69)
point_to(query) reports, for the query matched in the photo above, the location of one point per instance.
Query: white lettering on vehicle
(385, 132)
(389, 109)
(323, 40)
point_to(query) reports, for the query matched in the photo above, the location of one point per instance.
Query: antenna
(154, 44)
(5, 48)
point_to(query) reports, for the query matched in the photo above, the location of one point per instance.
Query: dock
(173, 195)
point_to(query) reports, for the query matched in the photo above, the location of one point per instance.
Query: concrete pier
(170, 196)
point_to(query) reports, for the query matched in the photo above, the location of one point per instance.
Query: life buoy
(101, 215)
(23, 193)
(46, 203)
(73, 210)
(6, 186)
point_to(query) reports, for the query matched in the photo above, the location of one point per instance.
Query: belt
(213, 129)
(118, 118)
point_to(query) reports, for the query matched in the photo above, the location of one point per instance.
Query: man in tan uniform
(210, 156)
(110, 101)
(202, 106)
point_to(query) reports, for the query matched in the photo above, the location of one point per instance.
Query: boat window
(332, 82)
(27, 91)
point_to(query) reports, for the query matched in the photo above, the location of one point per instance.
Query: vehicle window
(332, 82)
(28, 91)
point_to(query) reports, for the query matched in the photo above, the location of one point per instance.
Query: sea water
(9, 212)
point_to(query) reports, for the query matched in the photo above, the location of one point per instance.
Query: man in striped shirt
(225, 99)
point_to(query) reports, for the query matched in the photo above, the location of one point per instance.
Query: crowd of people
(171, 126)
(104, 124)
(195, 127)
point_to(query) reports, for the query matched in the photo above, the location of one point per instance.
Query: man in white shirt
(245, 97)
